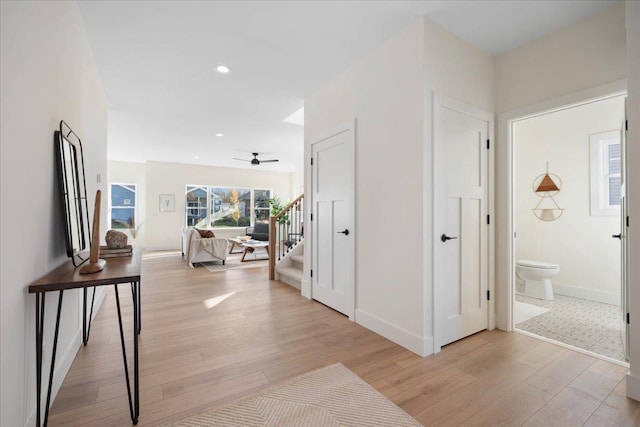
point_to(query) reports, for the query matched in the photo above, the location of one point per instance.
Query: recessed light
(219, 134)
(196, 157)
(223, 69)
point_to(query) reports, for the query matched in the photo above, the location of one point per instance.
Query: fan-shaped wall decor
(546, 186)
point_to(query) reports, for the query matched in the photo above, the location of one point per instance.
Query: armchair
(202, 249)
(259, 232)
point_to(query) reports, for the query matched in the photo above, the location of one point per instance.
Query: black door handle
(345, 232)
(617, 236)
(444, 238)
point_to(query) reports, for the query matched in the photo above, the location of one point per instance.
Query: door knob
(345, 232)
(444, 238)
(617, 236)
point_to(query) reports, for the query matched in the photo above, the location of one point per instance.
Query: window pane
(614, 191)
(614, 151)
(123, 195)
(262, 215)
(230, 207)
(122, 218)
(261, 198)
(196, 205)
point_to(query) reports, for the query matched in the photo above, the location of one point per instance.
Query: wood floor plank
(193, 358)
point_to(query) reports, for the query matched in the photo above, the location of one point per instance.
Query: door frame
(307, 285)
(442, 101)
(506, 244)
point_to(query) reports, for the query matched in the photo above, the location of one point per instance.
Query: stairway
(290, 270)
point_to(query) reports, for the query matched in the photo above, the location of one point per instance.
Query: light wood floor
(193, 357)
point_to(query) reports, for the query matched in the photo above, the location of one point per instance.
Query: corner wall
(389, 93)
(47, 73)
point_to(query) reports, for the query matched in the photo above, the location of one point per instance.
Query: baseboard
(305, 288)
(421, 346)
(633, 387)
(588, 294)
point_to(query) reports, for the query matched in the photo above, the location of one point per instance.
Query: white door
(332, 256)
(461, 223)
(624, 241)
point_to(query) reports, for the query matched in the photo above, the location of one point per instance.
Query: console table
(116, 271)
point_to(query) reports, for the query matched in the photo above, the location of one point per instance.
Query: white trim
(440, 101)
(505, 244)
(633, 387)
(410, 341)
(588, 294)
(570, 347)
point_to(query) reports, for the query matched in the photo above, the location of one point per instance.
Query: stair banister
(281, 232)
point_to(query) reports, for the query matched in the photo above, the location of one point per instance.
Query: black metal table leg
(40, 299)
(86, 325)
(133, 412)
(136, 332)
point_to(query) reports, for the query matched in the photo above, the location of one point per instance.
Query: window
(123, 205)
(230, 207)
(261, 206)
(605, 173)
(225, 206)
(196, 203)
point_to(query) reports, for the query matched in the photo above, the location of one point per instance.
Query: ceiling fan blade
(268, 161)
(242, 160)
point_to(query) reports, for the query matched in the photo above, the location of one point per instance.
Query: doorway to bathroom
(567, 204)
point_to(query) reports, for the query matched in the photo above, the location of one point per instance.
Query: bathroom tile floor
(589, 325)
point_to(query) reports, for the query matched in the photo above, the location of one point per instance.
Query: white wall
(47, 74)
(162, 229)
(581, 244)
(541, 75)
(581, 56)
(389, 93)
(633, 151)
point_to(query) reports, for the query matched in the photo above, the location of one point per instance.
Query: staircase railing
(286, 231)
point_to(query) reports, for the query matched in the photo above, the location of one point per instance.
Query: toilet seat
(537, 264)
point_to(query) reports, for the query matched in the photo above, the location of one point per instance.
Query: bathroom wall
(581, 244)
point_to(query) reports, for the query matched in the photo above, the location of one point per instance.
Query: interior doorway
(567, 183)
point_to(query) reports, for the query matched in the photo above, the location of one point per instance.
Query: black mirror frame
(65, 135)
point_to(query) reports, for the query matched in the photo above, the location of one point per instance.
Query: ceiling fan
(255, 161)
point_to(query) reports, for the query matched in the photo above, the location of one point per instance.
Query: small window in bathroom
(605, 170)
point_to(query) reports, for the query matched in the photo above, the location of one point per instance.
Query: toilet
(533, 278)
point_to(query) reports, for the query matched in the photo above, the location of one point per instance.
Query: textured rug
(256, 259)
(331, 396)
(589, 325)
(524, 312)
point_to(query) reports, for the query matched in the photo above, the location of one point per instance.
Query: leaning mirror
(70, 165)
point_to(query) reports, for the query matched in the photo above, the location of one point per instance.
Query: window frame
(599, 144)
(134, 207)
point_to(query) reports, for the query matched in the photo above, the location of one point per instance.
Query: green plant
(278, 206)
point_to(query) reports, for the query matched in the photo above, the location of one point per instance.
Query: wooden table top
(117, 270)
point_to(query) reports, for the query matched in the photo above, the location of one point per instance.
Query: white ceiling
(166, 101)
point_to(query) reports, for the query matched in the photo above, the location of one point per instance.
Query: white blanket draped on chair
(199, 249)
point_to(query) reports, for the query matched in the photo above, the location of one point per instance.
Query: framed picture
(167, 203)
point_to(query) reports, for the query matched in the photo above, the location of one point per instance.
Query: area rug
(233, 262)
(330, 396)
(524, 312)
